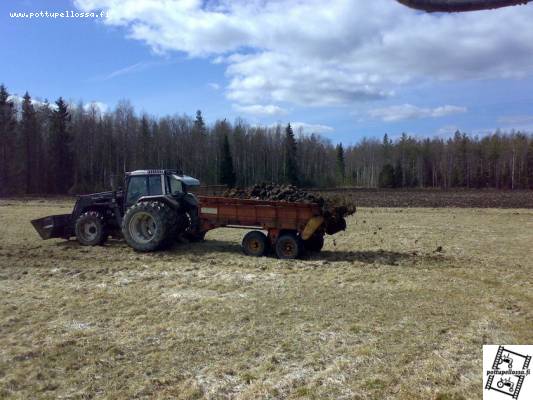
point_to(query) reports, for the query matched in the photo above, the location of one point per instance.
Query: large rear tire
(289, 246)
(255, 244)
(90, 229)
(149, 226)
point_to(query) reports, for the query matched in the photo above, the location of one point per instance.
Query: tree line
(63, 148)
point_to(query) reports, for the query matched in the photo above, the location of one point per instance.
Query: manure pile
(334, 209)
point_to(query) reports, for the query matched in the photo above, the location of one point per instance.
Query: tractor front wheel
(90, 229)
(149, 226)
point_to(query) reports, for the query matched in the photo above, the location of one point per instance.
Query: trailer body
(292, 228)
(271, 216)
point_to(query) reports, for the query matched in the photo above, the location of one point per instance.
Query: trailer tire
(149, 226)
(255, 244)
(315, 243)
(289, 246)
(90, 229)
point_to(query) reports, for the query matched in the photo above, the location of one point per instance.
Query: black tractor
(154, 209)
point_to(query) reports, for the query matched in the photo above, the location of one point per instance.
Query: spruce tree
(386, 176)
(61, 157)
(227, 173)
(292, 174)
(199, 124)
(341, 165)
(144, 155)
(398, 175)
(30, 145)
(387, 145)
(7, 143)
(529, 164)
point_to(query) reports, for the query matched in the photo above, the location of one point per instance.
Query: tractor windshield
(180, 183)
(175, 185)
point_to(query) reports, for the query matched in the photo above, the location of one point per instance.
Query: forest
(62, 148)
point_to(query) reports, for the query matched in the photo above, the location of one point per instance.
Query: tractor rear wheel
(255, 244)
(289, 246)
(90, 229)
(149, 226)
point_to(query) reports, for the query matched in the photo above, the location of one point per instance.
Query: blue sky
(347, 70)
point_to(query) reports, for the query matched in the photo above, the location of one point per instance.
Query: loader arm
(460, 5)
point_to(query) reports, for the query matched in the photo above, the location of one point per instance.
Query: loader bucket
(53, 226)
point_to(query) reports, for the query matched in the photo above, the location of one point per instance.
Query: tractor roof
(188, 180)
(152, 172)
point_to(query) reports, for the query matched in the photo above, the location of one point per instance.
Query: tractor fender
(191, 200)
(168, 200)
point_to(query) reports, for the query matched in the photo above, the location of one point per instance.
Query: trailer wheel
(90, 229)
(314, 243)
(255, 244)
(148, 226)
(288, 246)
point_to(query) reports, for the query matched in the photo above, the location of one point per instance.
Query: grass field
(396, 307)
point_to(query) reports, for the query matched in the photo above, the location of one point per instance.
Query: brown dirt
(434, 198)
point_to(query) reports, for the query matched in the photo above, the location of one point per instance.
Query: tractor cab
(148, 183)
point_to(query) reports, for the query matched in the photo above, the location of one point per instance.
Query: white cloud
(214, 85)
(130, 69)
(36, 102)
(516, 120)
(258, 109)
(305, 128)
(447, 131)
(98, 105)
(308, 129)
(309, 53)
(409, 111)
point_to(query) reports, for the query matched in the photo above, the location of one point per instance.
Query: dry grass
(380, 314)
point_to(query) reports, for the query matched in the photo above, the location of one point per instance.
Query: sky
(346, 69)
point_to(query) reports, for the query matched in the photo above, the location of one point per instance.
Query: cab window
(154, 185)
(137, 187)
(174, 185)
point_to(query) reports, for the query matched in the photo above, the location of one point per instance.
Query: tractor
(154, 207)
(506, 382)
